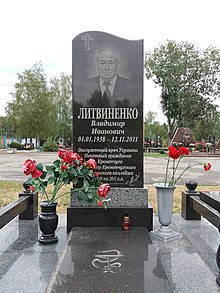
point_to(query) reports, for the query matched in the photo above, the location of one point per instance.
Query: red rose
(104, 190)
(64, 167)
(29, 166)
(100, 204)
(96, 174)
(184, 151)
(207, 166)
(174, 153)
(31, 188)
(92, 163)
(73, 157)
(36, 173)
(61, 154)
(69, 157)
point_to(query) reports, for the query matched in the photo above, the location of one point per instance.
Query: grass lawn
(9, 191)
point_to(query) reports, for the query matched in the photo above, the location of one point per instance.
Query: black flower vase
(48, 221)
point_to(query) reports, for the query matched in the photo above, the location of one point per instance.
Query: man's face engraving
(107, 63)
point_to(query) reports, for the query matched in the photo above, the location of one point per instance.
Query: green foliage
(189, 82)
(202, 128)
(152, 128)
(5, 127)
(61, 93)
(16, 145)
(32, 113)
(50, 146)
(38, 110)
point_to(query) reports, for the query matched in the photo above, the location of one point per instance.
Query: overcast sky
(42, 30)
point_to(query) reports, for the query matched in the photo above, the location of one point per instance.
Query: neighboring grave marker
(108, 105)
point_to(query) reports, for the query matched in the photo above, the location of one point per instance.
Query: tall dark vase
(48, 221)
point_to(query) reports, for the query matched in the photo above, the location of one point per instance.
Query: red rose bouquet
(175, 155)
(69, 168)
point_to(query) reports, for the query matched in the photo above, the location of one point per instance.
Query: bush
(16, 145)
(162, 152)
(50, 146)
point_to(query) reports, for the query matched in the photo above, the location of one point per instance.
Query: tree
(203, 130)
(61, 91)
(152, 128)
(31, 113)
(189, 81)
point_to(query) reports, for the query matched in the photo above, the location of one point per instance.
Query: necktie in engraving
(106, 93)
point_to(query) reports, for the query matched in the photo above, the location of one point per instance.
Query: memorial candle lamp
(126, 222)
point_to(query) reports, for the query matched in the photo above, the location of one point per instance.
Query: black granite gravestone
(108, 105)
(108, 126)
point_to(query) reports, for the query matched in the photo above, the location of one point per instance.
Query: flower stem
(188, 167)
(168, 161)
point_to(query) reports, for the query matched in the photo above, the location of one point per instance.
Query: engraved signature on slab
(105, 260)
(132, 180)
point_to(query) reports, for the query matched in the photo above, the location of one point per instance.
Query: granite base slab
(109, 260)
(120, 197)
(131, 201)
(110, 217)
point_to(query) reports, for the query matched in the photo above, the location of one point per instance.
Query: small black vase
(48, 221)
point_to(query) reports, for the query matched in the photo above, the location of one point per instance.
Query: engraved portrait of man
(108, 87)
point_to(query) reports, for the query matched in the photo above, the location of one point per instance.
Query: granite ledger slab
(109, 260)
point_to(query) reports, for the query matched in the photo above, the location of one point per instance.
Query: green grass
(154, 155)
(9, 191)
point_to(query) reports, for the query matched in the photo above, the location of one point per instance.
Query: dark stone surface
(212, 199)
(83, 267)
(131, 201)
(189, 262)
(32, 211)
(110, 217)
(187, 212)
(109, 129)
(205, 210)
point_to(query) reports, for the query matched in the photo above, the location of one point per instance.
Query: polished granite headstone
(109, 260)
(107, 92)
(109, 129)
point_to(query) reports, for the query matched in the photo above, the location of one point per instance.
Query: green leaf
(65, 174)
(90, 173)
(73, 171)
(85, 182)
(90, 195)
(44, 175)
(45, 183)
(50, 169)
(56, 174)
(50, 180)
(66, 180)
(74, 180)
(40, 167)
(57, 163)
